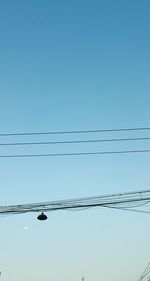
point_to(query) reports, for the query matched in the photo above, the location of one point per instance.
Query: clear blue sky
(71, 65)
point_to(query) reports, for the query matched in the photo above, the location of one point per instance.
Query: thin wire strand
(75, 141)
(75, 154)
(130, 210)
(75, 132)
(145, 273)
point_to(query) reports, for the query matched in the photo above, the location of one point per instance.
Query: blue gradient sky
(71, 65)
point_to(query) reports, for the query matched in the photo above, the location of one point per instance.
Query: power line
(75, 132)
(75, 154)
(75, 141)
(145, 273)
(123, 201)
(129, 210)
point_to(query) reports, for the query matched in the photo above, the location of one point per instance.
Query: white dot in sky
(25, 227)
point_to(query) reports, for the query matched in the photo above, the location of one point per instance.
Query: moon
(25, 227)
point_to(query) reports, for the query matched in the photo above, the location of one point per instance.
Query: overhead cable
(145, 273)
(75, 131)
(123, 201)
(75, 154)
(75, 141)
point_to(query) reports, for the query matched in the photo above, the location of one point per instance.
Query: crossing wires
(128, 201)
(145, 274)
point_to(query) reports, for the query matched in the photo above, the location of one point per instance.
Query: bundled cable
(129, 201)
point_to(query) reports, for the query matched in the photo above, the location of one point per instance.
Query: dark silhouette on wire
(129, 201)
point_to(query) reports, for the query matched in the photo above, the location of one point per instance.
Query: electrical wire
(145, 273)
(75, 141)
(75, 132)
(130, 210)
(75, 154)
(116, 201)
